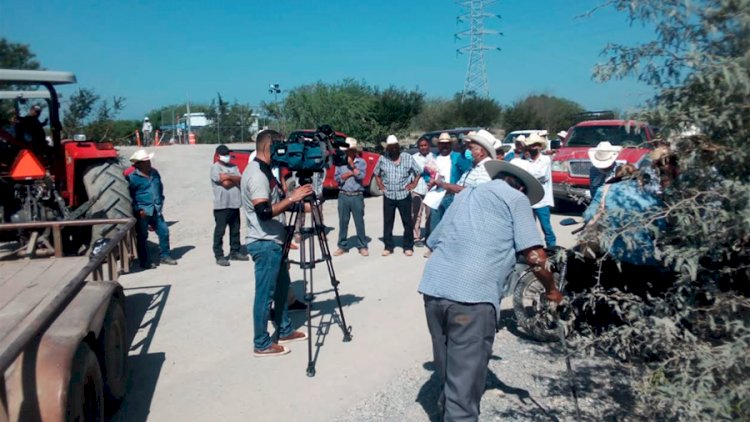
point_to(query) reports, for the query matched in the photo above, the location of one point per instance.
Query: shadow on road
(144, 307)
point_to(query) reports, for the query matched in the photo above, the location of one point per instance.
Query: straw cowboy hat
(520, 169)
(445, 137)
(535, 138)
(562, 134)
(484, 139)
(141, 155)
(520, 138)
(604, 155)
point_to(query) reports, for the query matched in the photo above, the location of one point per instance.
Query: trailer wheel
(85, 392)
(374, 188)
(106, 180)
(114, 353)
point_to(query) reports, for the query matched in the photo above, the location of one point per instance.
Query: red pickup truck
(240, 158)
(571, 164)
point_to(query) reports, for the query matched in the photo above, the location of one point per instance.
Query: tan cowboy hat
(445, 137)
(483, 139)
(535, 138)
(604, 155)
(141, 155)
(562, 134)
(521, 139)
(519, 168)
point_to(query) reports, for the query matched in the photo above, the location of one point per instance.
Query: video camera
(309, 154)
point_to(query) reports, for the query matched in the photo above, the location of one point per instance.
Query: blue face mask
(467, 154)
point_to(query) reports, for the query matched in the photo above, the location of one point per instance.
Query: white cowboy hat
(484, 139)
(534, 139)
(444, 137)
(141, 155)
(350, 142)
(604, 155)
(562, 134)
(391, 140)
(519, 168)
(520, 138)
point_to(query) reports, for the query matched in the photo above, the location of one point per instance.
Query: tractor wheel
(114, 202)
(113, 346)
(85, 391)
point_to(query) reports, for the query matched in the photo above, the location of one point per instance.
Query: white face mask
(224, 158)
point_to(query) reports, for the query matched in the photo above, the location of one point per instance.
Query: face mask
(224, 158)
(533, 153)
(467, 154)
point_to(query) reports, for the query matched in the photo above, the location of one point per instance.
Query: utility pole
(275, 90)
(476, 72)
(189, 128)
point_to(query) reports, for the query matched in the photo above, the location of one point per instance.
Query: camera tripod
(307, 263)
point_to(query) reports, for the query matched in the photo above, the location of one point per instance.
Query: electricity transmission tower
(476, 72)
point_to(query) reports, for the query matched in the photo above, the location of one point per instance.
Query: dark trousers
(223, 218)
(353, 205)
(462, 336)
(389, 215)
(141, 235)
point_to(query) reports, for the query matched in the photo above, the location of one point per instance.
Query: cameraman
(264, 204)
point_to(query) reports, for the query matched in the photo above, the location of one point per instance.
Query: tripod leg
(322, 239)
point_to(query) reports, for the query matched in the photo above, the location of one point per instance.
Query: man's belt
(350, 193)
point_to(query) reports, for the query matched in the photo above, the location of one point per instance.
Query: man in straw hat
(541, 168)
(603, 165)
(397, 174)
(350, 177)
(147, 192)
(467, 271)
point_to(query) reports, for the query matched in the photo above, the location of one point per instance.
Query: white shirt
(444, 165)
(421, 161)
(476, 176)
(146, 127)
(541, 168)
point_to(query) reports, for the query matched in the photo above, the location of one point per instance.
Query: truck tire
(374, 190)
(107, 178)
(529, 309)
(113, 345)
(85, 391)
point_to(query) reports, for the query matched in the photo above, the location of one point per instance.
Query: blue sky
(156, 53)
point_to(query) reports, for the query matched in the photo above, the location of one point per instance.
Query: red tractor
(43, 177)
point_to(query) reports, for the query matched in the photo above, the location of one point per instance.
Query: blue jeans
(141, 230)
(437, 214)
(271, 284)
(544, 214)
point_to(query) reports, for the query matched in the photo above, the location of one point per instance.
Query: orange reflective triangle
(27, 166)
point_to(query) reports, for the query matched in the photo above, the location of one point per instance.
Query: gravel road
(191, 357)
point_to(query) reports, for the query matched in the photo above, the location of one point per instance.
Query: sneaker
(408, 252)
(364, 252)
(149, 266)
(297, 306)
(221, 261)
(419, 243)
(339, 252)
(295, 336)
(272, 350)
(386, 253)
(168, 260)
(428, 253)
(238, 257)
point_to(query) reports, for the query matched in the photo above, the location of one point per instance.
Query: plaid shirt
(397, 176)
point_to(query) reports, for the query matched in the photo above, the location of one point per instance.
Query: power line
(476, 72)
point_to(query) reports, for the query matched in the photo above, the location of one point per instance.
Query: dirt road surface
(191, 325)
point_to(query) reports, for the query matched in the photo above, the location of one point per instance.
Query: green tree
(17, 56)
(472, 111)
(696, 338)
(542, 112)
(89, 114)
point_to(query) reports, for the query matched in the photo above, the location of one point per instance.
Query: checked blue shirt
(474, 247)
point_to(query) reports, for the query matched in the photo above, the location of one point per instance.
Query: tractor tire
(107, 178)
(530, 309)
(374, 190)
(113, 347)
(85, 401)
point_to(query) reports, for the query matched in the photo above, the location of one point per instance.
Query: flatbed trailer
(63, 339)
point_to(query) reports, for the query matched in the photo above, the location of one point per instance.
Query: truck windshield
(590, 136)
